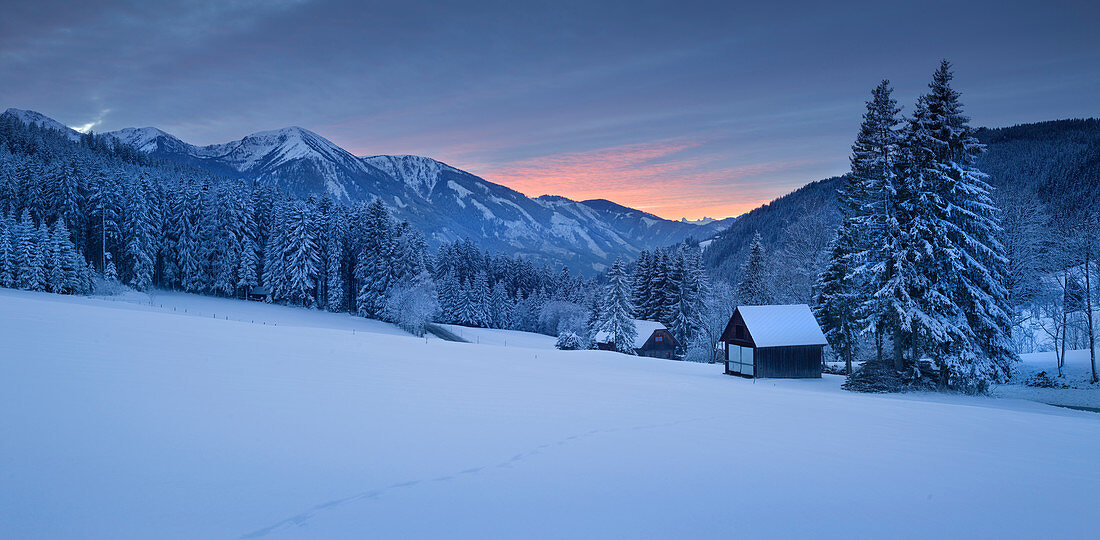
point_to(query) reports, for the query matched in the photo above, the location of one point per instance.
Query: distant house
(653, 340)
(259, 294)
(773, 342)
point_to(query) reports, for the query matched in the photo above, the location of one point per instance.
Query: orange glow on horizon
(642, 176)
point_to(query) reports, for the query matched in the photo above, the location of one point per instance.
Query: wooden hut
(258, 294)
(773, 342)
(653, 340)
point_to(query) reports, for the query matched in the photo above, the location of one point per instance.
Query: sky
(682, 109)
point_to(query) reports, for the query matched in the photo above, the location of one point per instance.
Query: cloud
(84, 128)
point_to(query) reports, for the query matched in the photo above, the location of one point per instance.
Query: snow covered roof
(782, 326)
(644, 328)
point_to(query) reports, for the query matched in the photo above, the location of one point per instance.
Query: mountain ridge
(443, 201)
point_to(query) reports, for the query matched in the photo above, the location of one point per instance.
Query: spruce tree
(755, 285)
(640, 284)
(69, 263)
(501, 306)
(23, 240)
(334, 250)
(478, 309)
(111, 273)
(274, 272)
(673, 289)
(374, 269)
(140, 241)
(859, 262)
(301, 255)
(838, 300)
(655, 300)
(7, 252)
(448, 298)
(963, 322)
(617, 319)
(688, 315)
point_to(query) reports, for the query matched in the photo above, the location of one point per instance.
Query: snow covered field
(123, 421)
(504, 338)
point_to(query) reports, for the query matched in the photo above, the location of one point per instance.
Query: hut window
(659, 339)
(739, 331)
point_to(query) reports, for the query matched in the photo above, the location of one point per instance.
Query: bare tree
(1024, 232)
(803, 257)
(1088, 244)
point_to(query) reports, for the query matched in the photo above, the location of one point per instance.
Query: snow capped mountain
(269, 150)
(147, 139)
(707, 220)
(293, 158)
(444, 202)
(43, 121)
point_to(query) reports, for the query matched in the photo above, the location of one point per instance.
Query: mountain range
(444, 202)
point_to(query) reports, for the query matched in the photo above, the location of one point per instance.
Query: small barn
(773, 342)
(258, 294)
(653, 340)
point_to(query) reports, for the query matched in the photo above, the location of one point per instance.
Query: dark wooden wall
(789, 362)
(668, 343)
(730, 334)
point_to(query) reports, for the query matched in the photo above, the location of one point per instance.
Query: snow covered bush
(412, 306)
(569, 341)
(1044, 380)
(102, 286)
(558, 316)
(699, 349)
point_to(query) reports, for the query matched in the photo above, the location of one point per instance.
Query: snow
(780, 326)
(270, 149)
(485, 212)
(43, 121)
(142, 139)
(336, 189)
(194, 305)
(645, 329)
(417, 172)
(460, 192)
(1078, 372)
(505, 338)
(701, 221)
(128, 421)
(564, 227)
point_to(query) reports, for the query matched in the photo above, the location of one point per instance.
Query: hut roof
(644, 329)
(782, 326)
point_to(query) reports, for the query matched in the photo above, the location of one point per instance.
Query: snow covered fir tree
(917, 257)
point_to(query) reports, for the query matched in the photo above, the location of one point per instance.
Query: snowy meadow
(131, 418)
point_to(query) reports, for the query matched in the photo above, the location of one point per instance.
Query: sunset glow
(657, 178)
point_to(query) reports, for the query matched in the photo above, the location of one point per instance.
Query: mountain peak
(143, 139)
(34, 117)
(288, 133)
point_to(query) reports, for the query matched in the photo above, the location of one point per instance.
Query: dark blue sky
(680, 108)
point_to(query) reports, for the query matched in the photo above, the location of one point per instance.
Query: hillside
(146, 423)
(1058, 163)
